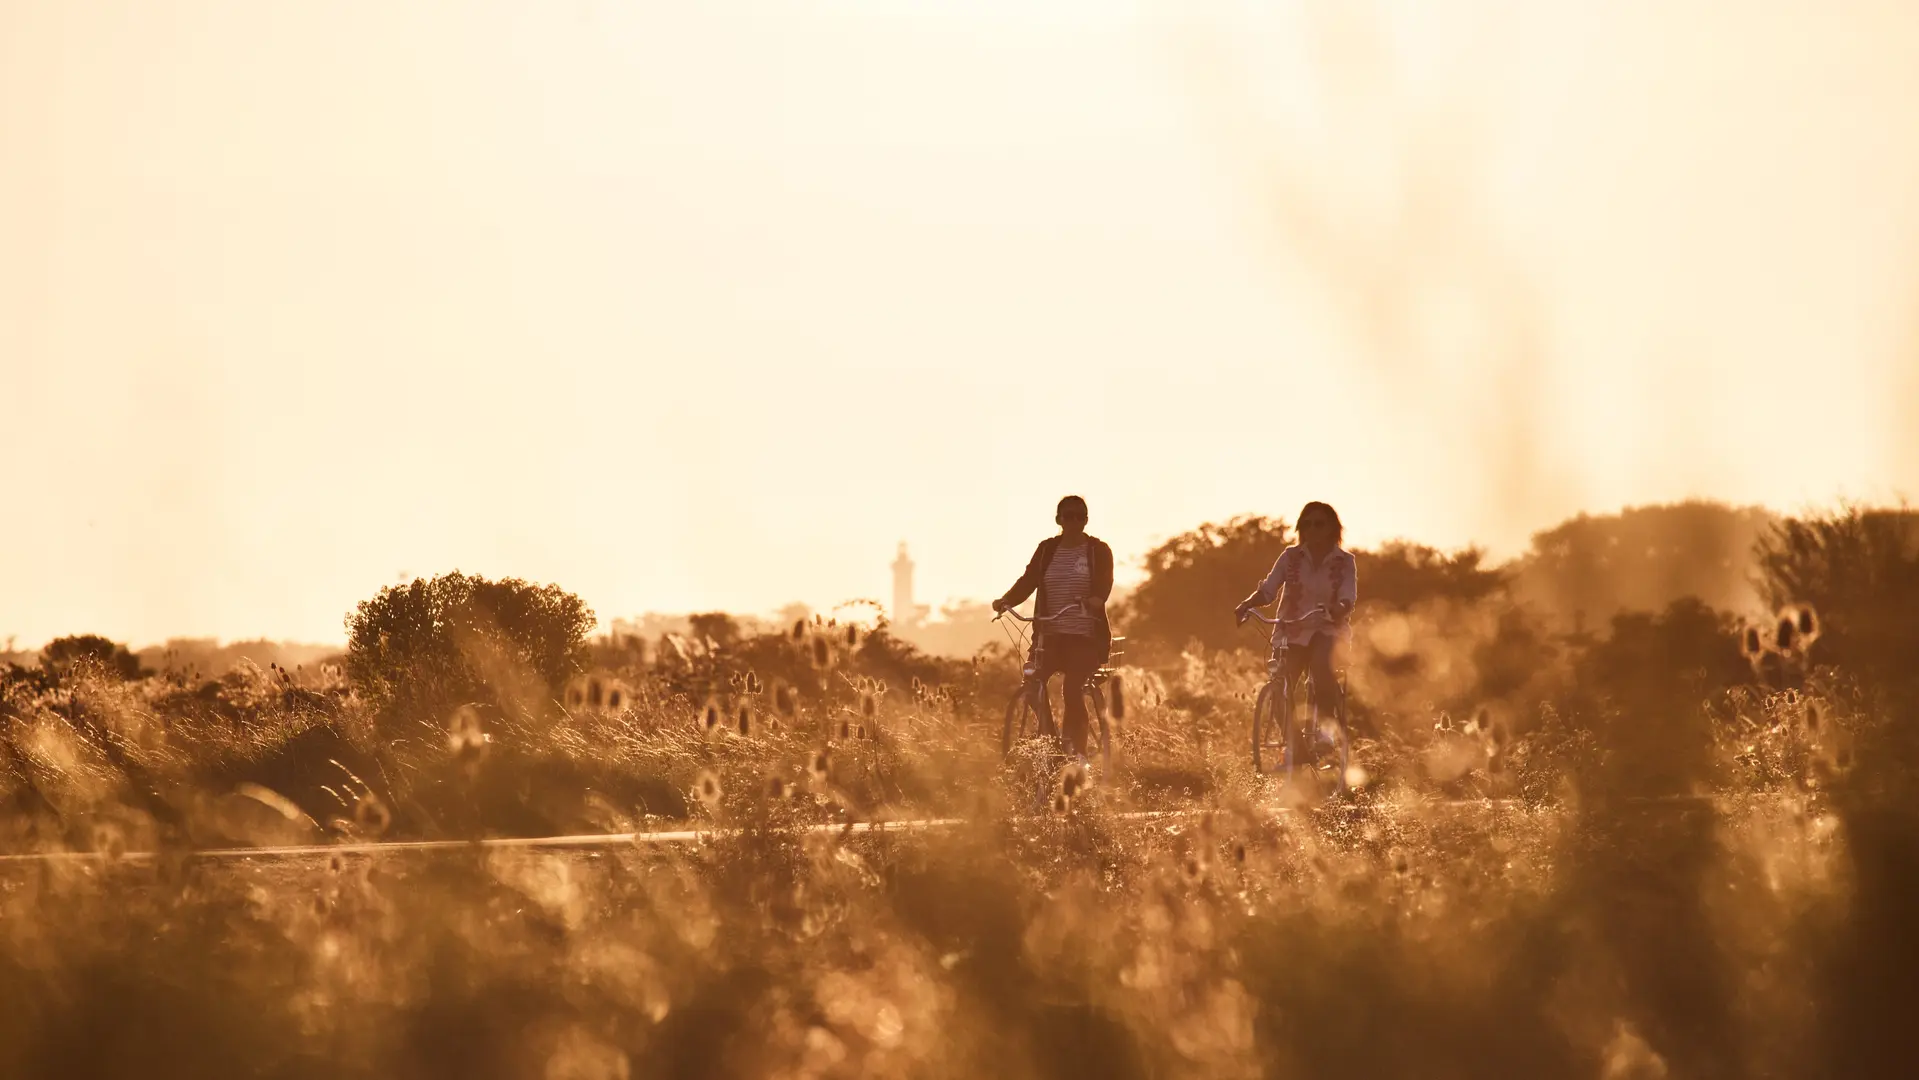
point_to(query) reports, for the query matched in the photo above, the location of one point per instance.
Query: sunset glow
(688, 310)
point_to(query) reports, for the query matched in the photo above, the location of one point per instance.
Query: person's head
(1319, 526)
(1071, 515)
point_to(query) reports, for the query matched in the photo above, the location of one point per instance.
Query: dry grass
(1566, 932)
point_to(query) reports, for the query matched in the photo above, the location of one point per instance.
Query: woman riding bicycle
(1069, 571)
(1317, 585)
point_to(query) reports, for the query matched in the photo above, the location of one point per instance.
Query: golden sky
(690, 306)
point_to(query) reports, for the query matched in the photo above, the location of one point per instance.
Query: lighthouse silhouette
(905, 612)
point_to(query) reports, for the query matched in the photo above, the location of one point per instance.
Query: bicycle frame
(1033, 688)
(1283, 707)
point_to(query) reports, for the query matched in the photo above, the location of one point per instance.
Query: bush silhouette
(62, 655)
(1859, 570)
(1194, 579)
(1401, 574)
(1642, 689)
(416, 651)
(1585, 570)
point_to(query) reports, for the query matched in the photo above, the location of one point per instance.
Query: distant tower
(904, 614)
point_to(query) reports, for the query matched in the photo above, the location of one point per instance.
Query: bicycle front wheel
(1021, 720)
(1319, 749)
(1270, 716)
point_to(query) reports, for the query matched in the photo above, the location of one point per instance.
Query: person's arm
(1026, 585)
(1102, 584)
(1099, 585)
(1269, 589)
(1346, 595)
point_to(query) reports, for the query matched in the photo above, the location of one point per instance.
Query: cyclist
(1316, 583)
(1069, 571)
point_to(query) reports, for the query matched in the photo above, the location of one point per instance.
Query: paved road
(667, 837)
(670, 837)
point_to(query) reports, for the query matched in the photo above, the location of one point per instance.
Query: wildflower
(1751, 644)
(845, 729)
(370, 813)
(595, 692)
(616, 697)
(1784, 636)
(822, 653)
(466, 739)
(1073, 781)
(710, 716)
(869, 705)
(752, 683)
(799, 631)
(575, 694)
(852, 636)
(109, 841)
(745, 719)
(707, 789)
(1808, 622)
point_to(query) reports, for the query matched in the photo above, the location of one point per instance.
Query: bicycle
(1023, 711)
(1276, 719)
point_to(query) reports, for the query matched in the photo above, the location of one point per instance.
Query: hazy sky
(691, 306)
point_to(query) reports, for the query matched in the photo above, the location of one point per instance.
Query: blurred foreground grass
(1565, 931)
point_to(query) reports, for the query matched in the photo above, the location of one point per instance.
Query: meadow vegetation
(1657, 836)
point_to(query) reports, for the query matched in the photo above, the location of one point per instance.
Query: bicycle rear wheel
(1097, 699)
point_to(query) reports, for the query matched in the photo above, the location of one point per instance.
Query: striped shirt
(1069, 578)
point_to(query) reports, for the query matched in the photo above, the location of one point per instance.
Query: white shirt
(1301, 585)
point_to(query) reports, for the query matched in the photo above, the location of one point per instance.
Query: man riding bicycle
(1073, 574)
(1317, 585)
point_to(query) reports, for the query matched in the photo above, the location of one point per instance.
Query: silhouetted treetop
(420, 649)
(1194, 579)
(1859, 570)
(1643, 558)
(108, 657)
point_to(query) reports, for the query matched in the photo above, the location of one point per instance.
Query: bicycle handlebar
(1074, 607)
(1320, 610)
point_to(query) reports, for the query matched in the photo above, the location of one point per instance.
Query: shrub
(1194, 579)
(419, 650)
(110, 658)
(1859, 570)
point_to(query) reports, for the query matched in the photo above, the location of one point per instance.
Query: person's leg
(1079, 663)
(1326, 691)
(1049, 651)
(1294, 707)
(1298, 663)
